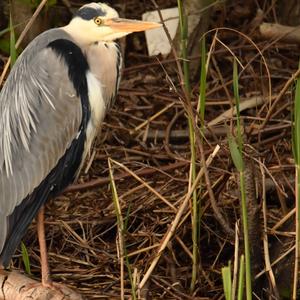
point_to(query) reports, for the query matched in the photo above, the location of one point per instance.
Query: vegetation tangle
(192, 189)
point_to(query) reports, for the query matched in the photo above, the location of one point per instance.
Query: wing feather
(41, 114)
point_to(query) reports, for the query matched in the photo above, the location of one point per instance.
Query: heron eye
(98, 21)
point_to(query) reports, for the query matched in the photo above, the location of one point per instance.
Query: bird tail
(16, 225)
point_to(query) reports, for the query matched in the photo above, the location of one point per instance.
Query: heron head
(99, 22)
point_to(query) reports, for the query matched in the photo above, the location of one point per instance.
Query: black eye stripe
(88, 13)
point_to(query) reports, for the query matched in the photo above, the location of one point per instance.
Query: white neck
(77, 31)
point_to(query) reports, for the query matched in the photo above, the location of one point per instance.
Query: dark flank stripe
(65, 170)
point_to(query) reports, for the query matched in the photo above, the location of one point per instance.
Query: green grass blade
(296, 151)
(246, 237)
(121, 226)
(25, 258)
(183, 22)
(296, 127)
(237, 103)
(237, 156)
(235, 153)
(4, 31)
(240, 295)
(227, 284)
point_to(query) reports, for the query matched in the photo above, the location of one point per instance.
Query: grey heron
(51, 107)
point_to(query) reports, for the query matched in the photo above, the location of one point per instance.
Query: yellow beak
(126, 25)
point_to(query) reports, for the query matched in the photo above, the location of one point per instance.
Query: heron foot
(50, 285)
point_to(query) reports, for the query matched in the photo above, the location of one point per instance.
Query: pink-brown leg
(46, 281)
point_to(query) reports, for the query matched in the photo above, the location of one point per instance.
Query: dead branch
(16, 286)
(283, 33)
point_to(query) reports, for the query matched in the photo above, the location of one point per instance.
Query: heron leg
(46, 281)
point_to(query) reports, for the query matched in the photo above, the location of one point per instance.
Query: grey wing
(40, 117)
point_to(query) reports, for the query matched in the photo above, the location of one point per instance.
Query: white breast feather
(98, 109)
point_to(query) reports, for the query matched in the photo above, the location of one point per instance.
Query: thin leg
(46, 281)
